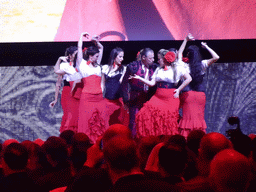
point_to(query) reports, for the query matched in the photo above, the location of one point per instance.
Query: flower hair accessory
(170, 57)
(84, 49)
(185, 59)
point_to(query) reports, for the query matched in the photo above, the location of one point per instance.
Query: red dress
(70, 103)
(193, 106)
(159, 116)
(113, 95)
(93, 111)
(64, 104)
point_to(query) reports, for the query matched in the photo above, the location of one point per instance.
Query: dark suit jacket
(128, 86)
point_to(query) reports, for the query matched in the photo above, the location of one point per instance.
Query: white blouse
(168, 75)
(87, 71)
(71, 73)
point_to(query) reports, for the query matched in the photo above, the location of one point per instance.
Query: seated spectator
(78, 150)
(145, 146)
(67, 135)
(39, 142)
(33, 154)
(15, 158)
(230, 171)
(210, 145)
(121, 158)
(172, 162)
(191, 170)
(92, 176)
(60, 174)
(8, 142)
(194, 139)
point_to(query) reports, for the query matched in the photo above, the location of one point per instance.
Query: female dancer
(159, 116)
(113, 77)
(65, 66)
(193, 99)
(93, 120)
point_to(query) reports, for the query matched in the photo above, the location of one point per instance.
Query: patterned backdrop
(26, 92)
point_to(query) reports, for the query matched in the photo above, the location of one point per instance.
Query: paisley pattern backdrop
(25, 94)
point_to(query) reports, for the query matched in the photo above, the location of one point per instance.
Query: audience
(33, 154)
(15, 158)
(194, 139)
(122, 161)
(117, 162)
(230, 171)
(94, 175)
(145, 146)
(78, 150)
(172, 162)
(210, 145)
(60, 173)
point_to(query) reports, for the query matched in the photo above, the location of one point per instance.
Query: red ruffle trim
(151, 120)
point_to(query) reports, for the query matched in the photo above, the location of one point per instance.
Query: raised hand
(190, 37)
(203, 44)
(86, 35)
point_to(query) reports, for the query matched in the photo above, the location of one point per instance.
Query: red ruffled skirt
(193, 105)
(93, 115)
(159, 116)
(117, 112)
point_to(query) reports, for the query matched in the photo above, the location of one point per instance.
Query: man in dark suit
(136, 93)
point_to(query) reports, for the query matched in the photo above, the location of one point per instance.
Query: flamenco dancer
(65, 68)
(193, 99)
(159, 116)
(93, 118)
(136, 92)
(113, 77)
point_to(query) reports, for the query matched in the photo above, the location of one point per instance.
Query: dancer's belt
(166, 85)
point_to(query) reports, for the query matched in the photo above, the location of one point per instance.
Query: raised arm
(188, 79)
(189, 37)
(215, 56)
(96, 41)
(57, 90)
(80, 48)
(57, 69)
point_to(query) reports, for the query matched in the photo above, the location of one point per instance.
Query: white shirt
(168, 75)
(87, 71)
(71, 73)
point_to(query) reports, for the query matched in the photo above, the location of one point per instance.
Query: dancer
(93, 119)
(137, 93)
(193, 99)
(65, 68)
(159, 116)
(113, 77)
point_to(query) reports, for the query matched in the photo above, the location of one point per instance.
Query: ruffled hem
(151, 120)
(192, 124)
